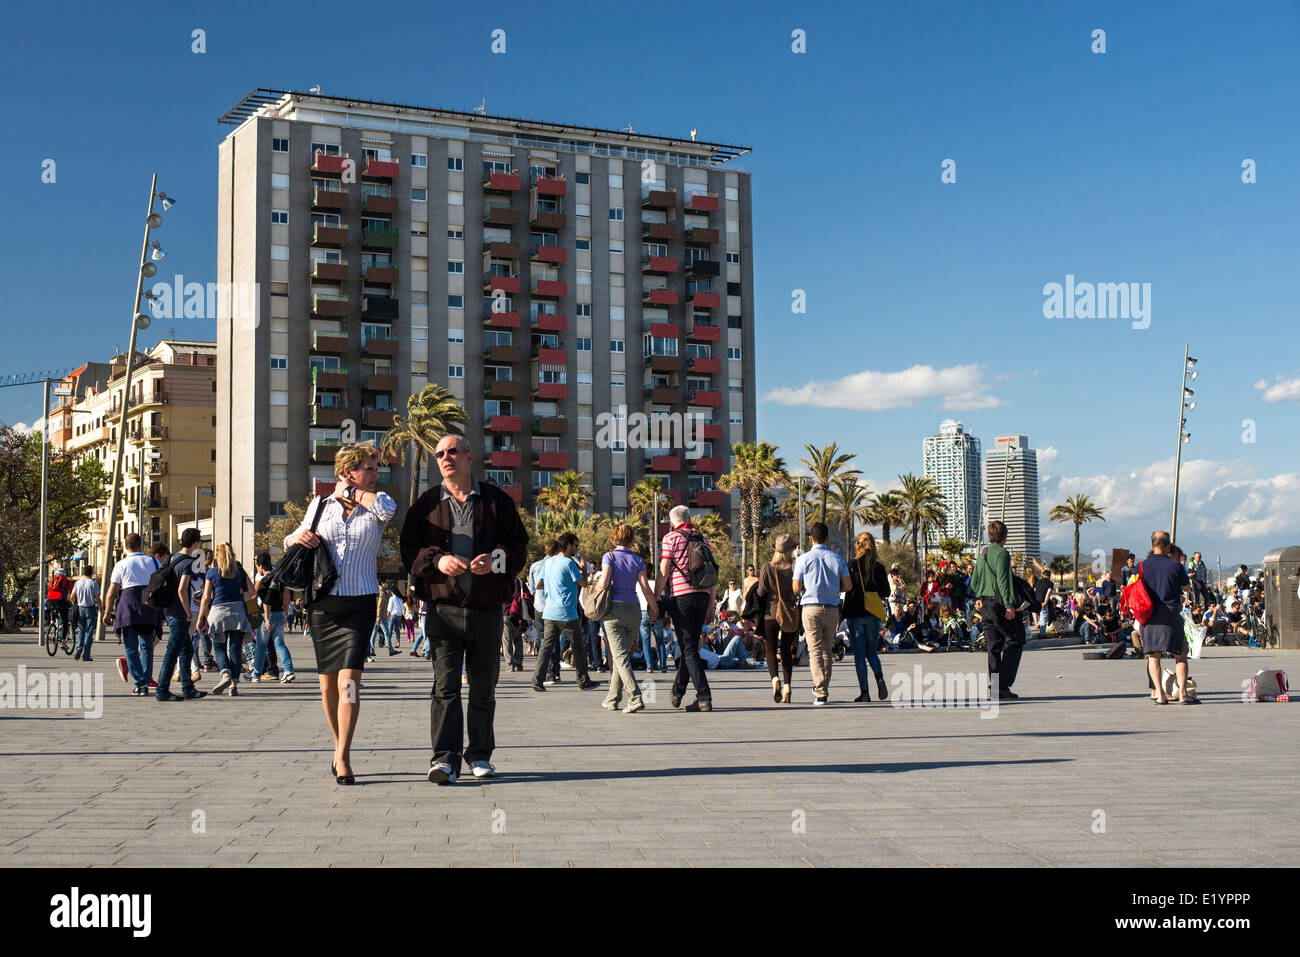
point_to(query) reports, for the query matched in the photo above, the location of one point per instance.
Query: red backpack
(58, 589)
(1136, 600)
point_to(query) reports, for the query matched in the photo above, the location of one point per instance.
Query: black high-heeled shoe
(344, 779)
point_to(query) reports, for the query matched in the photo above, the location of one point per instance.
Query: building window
(582, 179)
(736, 418)
(584, 244)
(419, 159)
(455, 234)
(583, 310)
(584, 378)
(584, 344)
(417, 231)
(618, 480)
(616, 379)
(279, 253)
(276, 509)
(455, 302)
(279, 145)
(733, 259)
(615, 345)
(279, 362)
(616, 180)
(419, 194)
(584, 277)
(279, 217)
(455, 266)
(616, 213)
(279, 180)
(455, 197)
(582, 209)
(328, 149)
(455, 372)
(733, 322)
(736, 385)
(455, 163)
(733, 352)
(455, 335)
(616, 247)
(213, 457)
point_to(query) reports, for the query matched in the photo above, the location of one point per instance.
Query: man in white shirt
(136, 622)
(395, 621)
(85, 595)
(734, 599)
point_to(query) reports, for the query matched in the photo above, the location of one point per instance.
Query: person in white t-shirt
(394, 613)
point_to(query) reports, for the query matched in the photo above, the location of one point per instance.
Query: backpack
(701, 569)
(1136, 600)
(163, 588)
(58, 587)
(270, 592)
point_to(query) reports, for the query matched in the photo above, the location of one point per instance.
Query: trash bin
(1281, 604)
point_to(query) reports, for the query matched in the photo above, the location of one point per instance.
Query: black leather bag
(308, 570)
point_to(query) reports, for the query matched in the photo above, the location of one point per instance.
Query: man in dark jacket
(464, 544)
(994, 587)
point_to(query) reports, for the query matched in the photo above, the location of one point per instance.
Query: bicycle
(54, 640)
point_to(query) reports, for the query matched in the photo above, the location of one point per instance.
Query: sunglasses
(446, 452)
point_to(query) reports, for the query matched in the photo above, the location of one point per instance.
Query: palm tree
(565, 494)
(1079, 510)
(922, 505)
(1060, 564)
(756, 469)
(826, 463)
(886, 510)
(848, 501)
(431, 415)
(952, 548)
(641, 500)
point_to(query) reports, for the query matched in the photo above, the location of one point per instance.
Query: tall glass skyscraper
(952, 460)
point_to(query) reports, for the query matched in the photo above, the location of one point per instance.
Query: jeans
(656, 656)
(734, 655)
(593, 637)
(548, 653)
(229, 649)
(271, 634)
(395, 627)
(87, 619)
(624, 618)
(178, 649)
(688, 613)
(464, 640)
(1087, 632)
(58, 608)
(512, 643)
(377, 630)
(138, 642)
(864, 639)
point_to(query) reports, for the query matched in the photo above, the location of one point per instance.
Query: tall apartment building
(1011, 481)
(170, 439)
(553, 277)
(952, 460)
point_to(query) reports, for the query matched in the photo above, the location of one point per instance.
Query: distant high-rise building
(952, 460)
(1011, 483)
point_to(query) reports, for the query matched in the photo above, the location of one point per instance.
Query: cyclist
(56, 599)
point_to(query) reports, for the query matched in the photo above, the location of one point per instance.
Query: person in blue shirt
(819, 576)
(561, 578)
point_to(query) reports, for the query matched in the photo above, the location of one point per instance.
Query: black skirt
(1163, 632)
(340, 631)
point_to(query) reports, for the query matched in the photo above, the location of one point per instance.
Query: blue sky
(1116, 167)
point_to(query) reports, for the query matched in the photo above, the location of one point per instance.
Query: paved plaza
(1083, 770)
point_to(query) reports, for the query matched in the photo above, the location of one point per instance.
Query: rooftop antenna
(628, 129)
(481, 108)
(693, 132)
(315, 89)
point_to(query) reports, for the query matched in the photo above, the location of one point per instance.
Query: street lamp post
(1184, 406)
(210, 490)
(43, 573)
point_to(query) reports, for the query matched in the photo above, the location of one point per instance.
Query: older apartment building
(553, 277)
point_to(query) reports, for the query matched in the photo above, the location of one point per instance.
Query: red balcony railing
(551, 254)
(551, 460)
(502, 182)
(702, 332)
(504, 283)
(706, 300)
(658, 264)
(706, 365)
(514, 491)
(664, 330)
(710, 498)
(328, 164)
(665, 463)
(506, 459)
(505, 423)
(708, 463)
(702, 203)
(550, 322)
(388, 170)
(551, 288)
(551, 390)
(557, 357)
(711, 431)
(660, 297)
(501, 320)
(554, 187)
(704, 397)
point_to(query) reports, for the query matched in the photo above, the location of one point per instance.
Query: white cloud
(21, 427)
(1046, 456)
(960, 387)
(1281, 390)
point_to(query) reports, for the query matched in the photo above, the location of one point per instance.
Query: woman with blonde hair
(864, 613)
(350, 527)
(780, 616)
(222, 615)
(622, 571)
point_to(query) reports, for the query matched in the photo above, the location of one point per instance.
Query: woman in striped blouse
(351, 526)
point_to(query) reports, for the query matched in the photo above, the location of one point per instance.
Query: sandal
(1192, 700)
(1158, 701)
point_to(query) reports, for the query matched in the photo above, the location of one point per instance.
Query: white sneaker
(223, 684)
(634, 707)
(565, 666)
(819, 701)
(287, 677)
(441, 773)
(482, 769)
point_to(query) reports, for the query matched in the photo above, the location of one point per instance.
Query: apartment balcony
(661, 363)
(383, 308)
(659, 297)
(658, 265)
(703, 268)
(705, 300)
(501, 320)
(703, 331)
(658, 198)
(332, 199)
(514, 491)
(505, 354)
(551, 460)
(553, 222)
(157, 505)
(546, 186)
(501, 183)
(153, 433)
(707, 397)
(334, 237)
(663, 394)
(329, 306)
(709, 498)
(329, 378)
(674, 497)
(550, 288)
(375, 203)
(550, 254)
(155, 467)
(707, 463)
(377, 418)
(387, 169)
(322, 271)
(328, 416)
(550, 322)
(502, 250)
(380, 275)
(711, 431)
(330, 164)
(379, 237)
(701, 236)
(500, 214)
(506, 459)
(324, 451)
(665, 330)
(664, 232)
(505, 423)
(663, 463)
(701, 364)
(550, 425)
(379, 347)
(550, 356)
(550, 390)
(503, 388)
(379, 382)
(509, 284)
(702, 203)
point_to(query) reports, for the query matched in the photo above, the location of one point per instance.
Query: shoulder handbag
(786, 617)
(595, 600)
(1136, 600)
(871, 601)
(308, 570)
